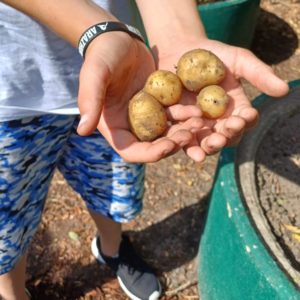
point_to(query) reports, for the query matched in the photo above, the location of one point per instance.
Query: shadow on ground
(184, 233)
(274, 39)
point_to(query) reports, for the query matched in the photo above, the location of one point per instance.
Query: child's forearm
(67, 18)
(167, 22)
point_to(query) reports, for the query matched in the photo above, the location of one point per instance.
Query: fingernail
(83, 120)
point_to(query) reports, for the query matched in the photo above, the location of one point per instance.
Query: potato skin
(147, 117)
(199, 68)
(165, 86)
(213, 101)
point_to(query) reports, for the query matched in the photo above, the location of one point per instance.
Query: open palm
(108, 79)
(240, 115)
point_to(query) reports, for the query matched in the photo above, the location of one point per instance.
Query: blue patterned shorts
(30, 150)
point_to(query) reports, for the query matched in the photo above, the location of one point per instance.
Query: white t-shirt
(38, 70)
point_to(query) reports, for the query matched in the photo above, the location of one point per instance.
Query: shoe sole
(96, 252)
(154, 296)
(27, 293)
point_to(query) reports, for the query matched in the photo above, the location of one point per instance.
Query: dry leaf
(296, 237)
(291, 228)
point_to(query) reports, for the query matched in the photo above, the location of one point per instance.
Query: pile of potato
(199, 71)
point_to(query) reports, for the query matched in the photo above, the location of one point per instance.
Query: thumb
(93, 82)
(260, 75)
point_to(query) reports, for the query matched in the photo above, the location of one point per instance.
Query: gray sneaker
(135, 277)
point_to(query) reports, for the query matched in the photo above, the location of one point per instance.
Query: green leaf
(73, 235)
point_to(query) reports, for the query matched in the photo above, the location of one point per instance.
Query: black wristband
(103, 27)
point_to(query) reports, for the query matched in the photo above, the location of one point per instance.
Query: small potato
(165, 86)
(199, 68)
(147, 117)
(213, 101)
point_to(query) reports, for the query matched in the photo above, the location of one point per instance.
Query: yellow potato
(165, 86)
(147, 117)
(213, 101)
(199, 68)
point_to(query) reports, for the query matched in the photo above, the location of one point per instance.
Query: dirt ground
(278, 176)
(168, 231)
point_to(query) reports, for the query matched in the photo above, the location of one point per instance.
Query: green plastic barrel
(231, 21)
(239, 257)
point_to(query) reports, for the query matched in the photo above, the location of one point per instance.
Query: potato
(147, 117)
(213, 101)
(199, 68)
(165, 86)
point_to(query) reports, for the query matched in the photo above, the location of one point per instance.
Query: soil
(167, 233)
(278, 177)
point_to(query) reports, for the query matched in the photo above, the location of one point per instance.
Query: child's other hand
(240, 115)
(116, 66)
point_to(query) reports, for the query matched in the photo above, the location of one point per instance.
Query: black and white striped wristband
(103, 27)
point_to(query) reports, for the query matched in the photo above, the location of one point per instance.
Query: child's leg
(12, 284)
(109, 186)
(113, 191)
(29, 149)
(109, 232)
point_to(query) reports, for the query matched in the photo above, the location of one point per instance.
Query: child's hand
(116, 66)
(240, 115)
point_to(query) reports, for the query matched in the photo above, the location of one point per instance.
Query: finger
(192, 125)
(213, 143)
(241, 107)
(145, 152)
(181, 134)
(259, 74)
(249, 114)
(231, 127)
(234, 141)
(93, 83)
(179, 112)
(205, 143)
(134, 151)
(195, 152)
(181, 138)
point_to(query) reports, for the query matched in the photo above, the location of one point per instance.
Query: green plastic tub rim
(232, 22)
(255, 262)
(225, 4)
(277, 254)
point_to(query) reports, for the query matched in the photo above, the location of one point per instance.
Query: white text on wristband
(100, 28)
